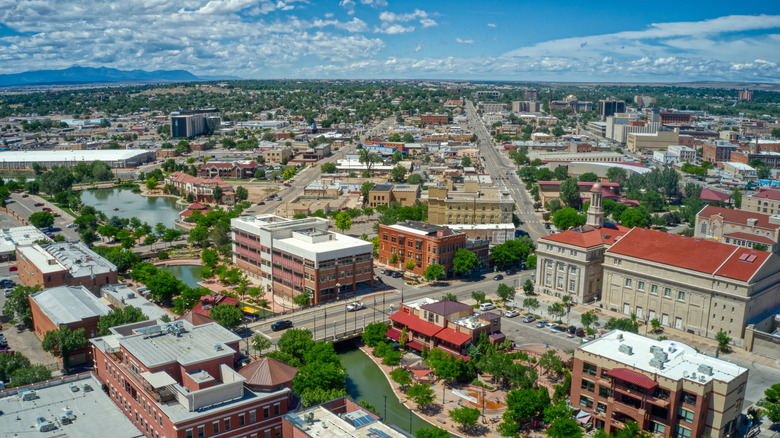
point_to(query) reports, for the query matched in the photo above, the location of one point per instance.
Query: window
(201, 431)
(572, 284)
(682, 432)
(628, 282)
(189, 433)
(657, 428)
(685, 415)
(276, 409)
(227, 424)
(688, 398)
(215, 427)
(601, 407)
(589, 369)
(586, 401)
(640, 285)
(667, 292)
(704, 228)
(587, 385)
(605, 391)
(680, 296)
(654, 289)
(252, 416)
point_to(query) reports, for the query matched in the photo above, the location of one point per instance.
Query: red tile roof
(634, 377)
(768, 194)
(453, 337)
(588, 237)
(415, 345)
(689, 253)
(738, 216)
(712, 195)
(415, 323)
(580, 183)
(213, 301)
(751, 238)
(393, 334)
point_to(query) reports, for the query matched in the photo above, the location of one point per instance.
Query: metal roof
(69, 304)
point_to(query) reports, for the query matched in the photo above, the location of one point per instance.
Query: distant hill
(90, 74)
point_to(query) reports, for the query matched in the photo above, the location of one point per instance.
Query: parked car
(554, 327)
(580, 333)
(571, 329)
(511, 313)
(529, 318)
(351, 307)
(25, 195)
(498, 277)
(287, 184)
(46, 209)
(541, 324)
(511, 272)
(7, 283)
(39, 204)
(70, 225)
(12, 268)
(383, 271)
(396, 274)
(261, 203)
(8, 292)
(487, 306)
(281, 325)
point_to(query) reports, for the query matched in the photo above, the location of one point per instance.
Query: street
(25, 207)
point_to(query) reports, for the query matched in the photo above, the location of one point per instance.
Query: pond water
(123, 203)
(365, 381)
(188, 274)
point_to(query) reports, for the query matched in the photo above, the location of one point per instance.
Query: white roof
(683, 362)
(71, 155)
(69, 304)
(159, 379)
(38, 256)
(740, 166)
(11, 237)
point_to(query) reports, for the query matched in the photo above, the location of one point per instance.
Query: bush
(163, 255)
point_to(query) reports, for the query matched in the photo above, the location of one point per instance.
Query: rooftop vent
(702, 378)
(626, 349)
(672, 348)
(705, 369)
(661, 355)
(655, 348)
(657, 363)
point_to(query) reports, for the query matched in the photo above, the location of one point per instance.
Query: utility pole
(385, 407)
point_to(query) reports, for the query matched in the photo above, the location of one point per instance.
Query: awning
(159, 379)
(419, 374)
(415, 345)
(634, 377)
(415, 323)
(453, 337)
(393, 334)
(583, 417)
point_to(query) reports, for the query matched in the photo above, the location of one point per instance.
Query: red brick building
(176, 380)
(240, 170)
(420, 242)
(434, 119)
(64, 264)
(718, 151)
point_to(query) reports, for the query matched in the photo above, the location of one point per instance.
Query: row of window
(640, 286)
(225, 425)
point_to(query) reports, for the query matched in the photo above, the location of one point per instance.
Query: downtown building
(666, 387)
(291, 257)
(64, 264)
(423, 243)
(192, 123)
(178, 380)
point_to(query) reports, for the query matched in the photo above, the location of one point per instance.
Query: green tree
(217, 194)
(64, 341)
(504, 292)
(151, 183)
(435, 432)
(589, 177)
(415, 178)
(41, 219)
(226, 315)
(528, 287)
(531, 304)
(16, 370)
(465, 161)
(568, 218)
(242, 194)
(303, 299)
(512, 252)
(421, 394)
(17, 305)
(260, 343)
(328, 168)
(397, 156)
(556, 310)
(656, 324)
(434, 272)
(478, 296)
(736, 196)
(398, 173)
(343, 221)
(564, 428)
(723, 341)
(402, 377)
(652, 201)
(164, 286)
(635, 217)
(407, 138)
(628, 325)
(570, 193)
(465, 416)
(295, 342)
(464, 261)
(119, 316)
(772, 403)
(374, 333)
(589, 319)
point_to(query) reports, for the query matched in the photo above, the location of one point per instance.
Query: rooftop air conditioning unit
(626, 349)
(660, 355)
(702, 378)
(656, 363)
(655, 349)
(705, 369)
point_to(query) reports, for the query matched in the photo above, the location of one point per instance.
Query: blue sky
(476, 40)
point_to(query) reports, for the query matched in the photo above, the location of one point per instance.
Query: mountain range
(91, 74)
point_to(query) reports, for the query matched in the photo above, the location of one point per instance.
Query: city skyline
(365, 39)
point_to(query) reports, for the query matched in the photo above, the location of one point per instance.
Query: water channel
(188, 274)
(366, 381)
(123, 203)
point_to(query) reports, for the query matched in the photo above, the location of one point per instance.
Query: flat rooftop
(123, 293)
(38, 256)
(92, 410)
(69, 304)
(79, 260)
(683, 362)
(326, 424)
(71, 155)
(26, 235)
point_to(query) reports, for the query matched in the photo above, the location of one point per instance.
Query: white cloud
(428, 22)
(424, 18)
(393, 29)
(462, 41)
(491, 25)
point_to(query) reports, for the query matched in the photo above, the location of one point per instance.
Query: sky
(562, 40)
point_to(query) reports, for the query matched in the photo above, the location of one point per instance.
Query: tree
(465, 416)
(401, 376)
(64, 341)
(119, 316)
(394, 137)
(723, 341)
(226, 315)
(17, 305)
(343, 221)
(763, 172)
(528, 287)
(652, 201)
(151, 183)
(41, 219)
(465, 161)
(328, 168)
(410, 265)
(772, 403)
(435, 432)
(589, 177)
(397, 156)
(394, 259)
(628, 324)
(217, 194)
(414, 178)
(589, 319)
(260, 343)
(421, 394)
(398, 173)
(504, 292)
(512, 252)
(434, 272)
(16, 370)
(568, 218)
(478, 296)
(635, 217)
(374, 333)
(303, 299)
(464, 261)
(164, 286)
(242, 194)
(531, 304)
(736, 196)
(656, 324)
(295, 342)
(570, 193)
(556, 310)
(564, 428)
(617, 175)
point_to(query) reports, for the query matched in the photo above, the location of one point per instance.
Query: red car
(287, 184)
(12, 268)
(46, 209)
(261, 203)
(39, 204)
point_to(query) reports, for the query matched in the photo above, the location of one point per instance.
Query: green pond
(123, 203)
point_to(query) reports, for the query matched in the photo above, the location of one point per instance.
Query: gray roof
(79, 260)
(382, 188)
(446, 307)
(196, 344)
(69, 304)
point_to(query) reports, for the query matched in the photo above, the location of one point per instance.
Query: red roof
(453, 337)
(197, 206)
(634, 377)
(588, 237)
(213, 301)
(738, 216)
(768, 194)
(608, 194)
(393, 334)
(415, 323)
(712, 195)
(415, 345)
(751, 238)
(689, 253)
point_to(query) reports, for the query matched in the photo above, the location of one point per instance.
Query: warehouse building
(116, 158)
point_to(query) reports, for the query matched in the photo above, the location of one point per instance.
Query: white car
(351, 307)
(486, 306)
(511, 313)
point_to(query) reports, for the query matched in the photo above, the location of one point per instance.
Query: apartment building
(491, 107)
(421, 242)
(177, 380)
(202, 189)
(666, 387)
(469, 206)
(64, 264)
(700, 286)
(526, 106)
(738, 227)
(236, 169)
(609, 107)
(676, 117)
(292, 257)
(278, 155)
(448, 325)
(718, 151)
(766, 201)
(571, 263)
(434, 119)
(384, 194)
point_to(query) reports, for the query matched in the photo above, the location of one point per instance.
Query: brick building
(64, 264)
(240, 170)
(766, 201)
(738, 227)
(675, 118)
(421, 242)
(176, 380)
(434, 119)
(202, 189)
(666, 387)
(338, 418)
(718, 151)
(292, 257)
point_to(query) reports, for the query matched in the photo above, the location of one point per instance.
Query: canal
(188, 274)
(366, 381)
(123, 203)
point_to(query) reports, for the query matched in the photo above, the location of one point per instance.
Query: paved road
(503, 170)
(25, 207)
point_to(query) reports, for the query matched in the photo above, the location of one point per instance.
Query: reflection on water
(124, 203)
(188, 274)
